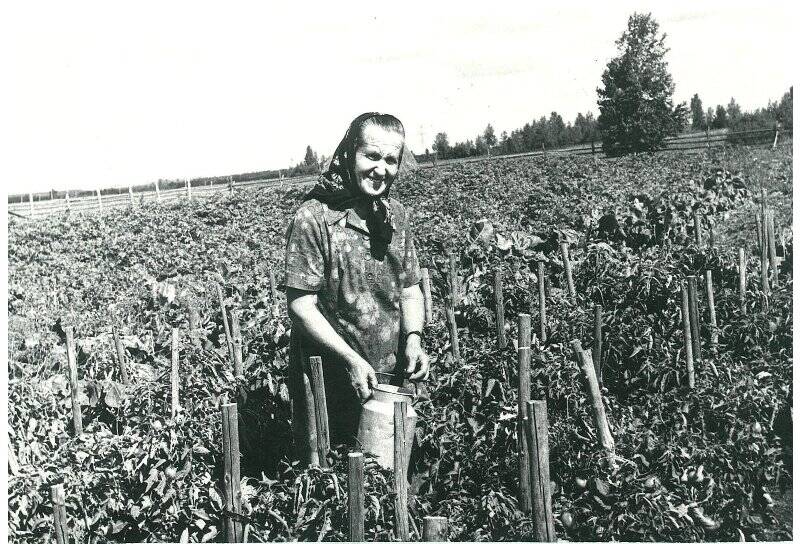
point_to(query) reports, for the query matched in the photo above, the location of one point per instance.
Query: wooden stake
(174, 376)
(426, 295)
(158, 192)
(453, 329)
(759, 232)
(687, 334)
(593, 390)
(597, 347)
(698, 233)
(773, 256)
(228, 337)
(523, 396)
(455, 282)
(765, 264)
(499, 308)
(66, 201)
(742, 280)
(60, 528)
(434, 529)
(712, 241)
(123, 366)
(542, 311)
(320, 410)
(238, 369)
(231, 482)
(194, 327)
(355, 495)
(541, 493)
(188, 188)
(77, 418)
(273, 291)
(694, 316)
(401, 486)
(99, 200)
(30, 199)
(130, 194)
(712, 311)
(568, 270)
(524, 330)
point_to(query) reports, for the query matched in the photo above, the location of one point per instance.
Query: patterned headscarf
(339, 190)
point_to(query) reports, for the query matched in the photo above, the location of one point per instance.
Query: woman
(352, 284)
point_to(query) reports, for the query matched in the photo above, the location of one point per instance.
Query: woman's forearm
(304, 313)
(412, 308)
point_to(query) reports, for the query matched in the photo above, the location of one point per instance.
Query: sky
(111, 94)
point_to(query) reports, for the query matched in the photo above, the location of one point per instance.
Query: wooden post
(775, 141)
(434, 529)
(130, 194)
(698, 234)
(320, 410)
(541, 493)
(30, 199)
(455, 283)
(523, 396)
(273, 291)
(597, 346)
(687, 334)
(228, 337)
(598, 410)
(77, 418)
(694, 316)
(236, 333)
(401, 486)
(426, 295)
(158, 192)
(542, 310)
(499, 308)
(174, 371)
(99, 200)
(773, 255)
(759, 232)
(453, 329)
(712, 311)
(194, 326)
(67, 202)
(60, 527)
(742, 280)
(568, 270)
(188, 188)
(764, 261)
(123, 366)
(230, 183)
(234, 529)
(355, 495)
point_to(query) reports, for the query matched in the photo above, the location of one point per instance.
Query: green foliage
(636, 110)
(698, 117)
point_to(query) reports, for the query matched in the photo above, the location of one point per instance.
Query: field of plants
(706, 463)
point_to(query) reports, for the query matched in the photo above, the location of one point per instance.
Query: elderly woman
(352, 284)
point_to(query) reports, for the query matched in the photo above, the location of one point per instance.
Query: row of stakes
(532, 430)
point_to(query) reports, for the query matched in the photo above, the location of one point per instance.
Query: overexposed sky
(107, 94)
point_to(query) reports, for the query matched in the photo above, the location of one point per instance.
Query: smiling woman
(352, 283)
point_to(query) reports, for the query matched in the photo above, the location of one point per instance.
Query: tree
(636, 109)
(441, 145)
(480, 145)
(709, 117)
(489, 137)
(720, 118)
(698, 117)
(311, 157)
(734, 111)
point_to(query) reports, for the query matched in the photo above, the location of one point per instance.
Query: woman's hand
(418, 363)
(362, 377)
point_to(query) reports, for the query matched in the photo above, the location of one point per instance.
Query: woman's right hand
(362, 377)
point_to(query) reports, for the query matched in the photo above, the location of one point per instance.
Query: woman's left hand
(417, 360)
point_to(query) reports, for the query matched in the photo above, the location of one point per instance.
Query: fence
(686, 142)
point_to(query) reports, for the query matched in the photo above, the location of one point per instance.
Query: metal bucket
(376, 427)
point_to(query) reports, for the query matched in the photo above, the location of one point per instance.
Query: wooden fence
(40, 205)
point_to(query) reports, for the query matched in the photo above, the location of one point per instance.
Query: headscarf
(339, 190)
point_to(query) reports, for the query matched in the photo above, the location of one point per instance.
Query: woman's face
(377, 159)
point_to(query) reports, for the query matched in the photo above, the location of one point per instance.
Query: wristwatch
(418, 333)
